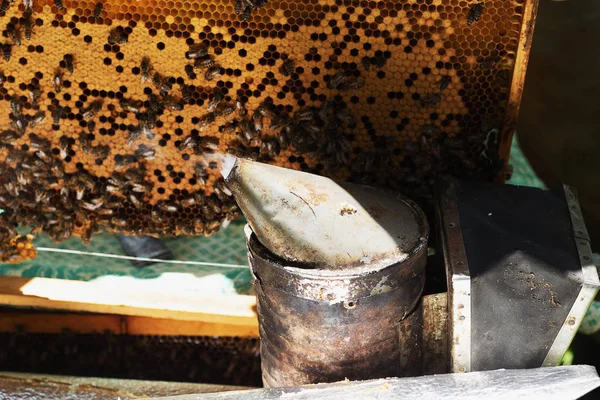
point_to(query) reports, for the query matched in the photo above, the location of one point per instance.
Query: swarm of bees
(75, 160)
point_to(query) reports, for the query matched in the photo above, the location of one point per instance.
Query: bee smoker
(338, 271)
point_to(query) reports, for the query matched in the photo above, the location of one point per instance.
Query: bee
(287, 68)
(238, 7)
(208, 213)
(208, 144)
(366, 63)
(155, 104)
(247, 132)
(337, 80)
(68, 59)
(28, 4)
(161, 84)
(173, 104)
(124, 161)
(169, 208)
(132, 136)
(91, 125)
(37, 143)
(189, 71)
(189, 142)
(240, 107)
(247, 14)
(8, 136)
(118, 222)
(92, 109)
(143, 187)
(28, 23)
(4, 5)
(134, 174)
(454, 143)
(64, 145)
(144, 153)
(304, 115)
(56, 167)
(101, 151)
(204, 62)
(14, 33)
(2, 78)
(205, 121)
(34, 96)
(444, 82)
(265, 111)
(257, 121)
(186, 93)
(502, 79)
(352, 84)
(475, 13)
(57, 80)
(59, 4)
(224, 110)
(261, 3)
(229, 127)
(135, 201)
(488, 64)
(196, 51)
(93, 204)
(270, 148)
(15, 107)
(201, 173)
(6, 51)
(118, 35)
(19, 124)
(221, 190)
(97, 10)
(188, 202)
(105, 212)
(80, 188)
(429, 130)
(213, 72)
(279, 122)
(146, 69)
(130, 105)
(430, 100)
(215, 101)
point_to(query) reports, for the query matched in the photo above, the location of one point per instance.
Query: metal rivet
(451, 225)
(580, 232)
(350, 305)
(462, 317)
(461, 369)
(587, 258)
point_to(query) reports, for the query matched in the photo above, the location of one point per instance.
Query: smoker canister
(326, 326)
(336, 267)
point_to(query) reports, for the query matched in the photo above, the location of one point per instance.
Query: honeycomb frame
(117, 113)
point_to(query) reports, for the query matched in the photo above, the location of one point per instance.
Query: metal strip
(459, 282)
(589, 287)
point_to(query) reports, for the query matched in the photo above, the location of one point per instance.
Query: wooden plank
(58, 322)
(103, 298)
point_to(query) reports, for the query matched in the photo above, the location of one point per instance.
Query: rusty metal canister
(328, 324)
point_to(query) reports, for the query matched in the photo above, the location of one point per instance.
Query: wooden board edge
(91, 297)
(60, 322)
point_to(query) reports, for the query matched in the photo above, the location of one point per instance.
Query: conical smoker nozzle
(313, 220)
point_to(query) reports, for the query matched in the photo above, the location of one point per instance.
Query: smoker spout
(310, 219)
